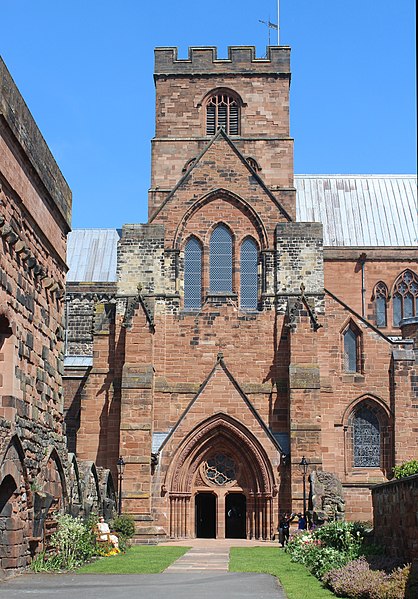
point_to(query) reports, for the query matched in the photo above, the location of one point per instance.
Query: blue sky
(85, 70)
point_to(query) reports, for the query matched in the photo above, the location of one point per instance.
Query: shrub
(320, 560)
(73, 544)
(346, 537)
(406, 469)
(356, 580)
(306, 549)
(124, 526)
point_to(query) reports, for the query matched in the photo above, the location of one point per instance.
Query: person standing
(284, 528)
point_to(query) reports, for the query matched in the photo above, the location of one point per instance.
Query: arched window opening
(253, 163)
(193, 274)
(222, 110)
(188, 165)
(249, 275)
(380, 299)
(405, 297)
(7, 488)
(352, 349)
(366, 439)
(220, 260)
(6, 359)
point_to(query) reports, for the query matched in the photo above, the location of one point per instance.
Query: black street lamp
(121, 468)
(304, 468)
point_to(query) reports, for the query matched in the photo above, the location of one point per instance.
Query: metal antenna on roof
(270, 26)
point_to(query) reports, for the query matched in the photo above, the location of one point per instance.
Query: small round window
(220, 469)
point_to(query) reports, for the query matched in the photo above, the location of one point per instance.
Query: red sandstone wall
(395, 517)
(343, 277)
(35, 209)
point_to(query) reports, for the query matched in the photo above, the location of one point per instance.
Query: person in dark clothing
(284, 528)
(301, 522)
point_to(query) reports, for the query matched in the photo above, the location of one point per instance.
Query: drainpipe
(362, 261)
(66, 302)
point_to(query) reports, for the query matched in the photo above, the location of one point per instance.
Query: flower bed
(335, 553)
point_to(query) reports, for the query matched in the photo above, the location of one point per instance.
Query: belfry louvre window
(366, 439)
(192, 274)
(222, 111)
(249, 275)
(220, 260)
(405, 297)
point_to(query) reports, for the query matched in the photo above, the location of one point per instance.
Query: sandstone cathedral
(259, 317)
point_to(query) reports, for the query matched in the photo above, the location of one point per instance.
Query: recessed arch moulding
(182, 470)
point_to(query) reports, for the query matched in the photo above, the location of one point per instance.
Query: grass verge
(140, 559)
(295, 579)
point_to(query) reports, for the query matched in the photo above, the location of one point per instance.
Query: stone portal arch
(15, 506)
(249, 472)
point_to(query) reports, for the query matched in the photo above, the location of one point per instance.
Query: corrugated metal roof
(92, 254)
(360, 210)
(77, 361)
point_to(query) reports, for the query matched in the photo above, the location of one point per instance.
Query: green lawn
(140, 559)
(295, 579)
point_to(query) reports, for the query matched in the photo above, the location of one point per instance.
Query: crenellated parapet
(204, 60)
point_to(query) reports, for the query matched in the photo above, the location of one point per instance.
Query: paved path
(209, 554)
(201, 572)
(201, 585)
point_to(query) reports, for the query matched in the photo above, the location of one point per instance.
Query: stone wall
(395, 517)
(35, 208)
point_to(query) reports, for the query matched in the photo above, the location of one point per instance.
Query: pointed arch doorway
(236, 516)
(206, 515)
(220, 483)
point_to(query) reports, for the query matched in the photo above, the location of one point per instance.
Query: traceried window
(192, 274)
(220, 260)
(405, 297)
(220, 469)
(222, 110)
(366, 438)
(380, 302)
(249, 275)
(352, 349)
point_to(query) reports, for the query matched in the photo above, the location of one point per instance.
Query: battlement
(205, 61)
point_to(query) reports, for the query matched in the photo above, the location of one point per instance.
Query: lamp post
(121, 468)
(304, 468)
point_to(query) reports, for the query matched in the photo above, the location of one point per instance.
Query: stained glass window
(220, 469)
(192, 274)
(220, 260)
(249, 275)
(366, 439)
(405, 297)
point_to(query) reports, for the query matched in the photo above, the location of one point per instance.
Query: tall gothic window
(352, 349)
(366, 438)
(220, 259)
(6, 360)
(405, 297)
(380, 301)
(222, 110)
(192, 274)
(249, 275)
